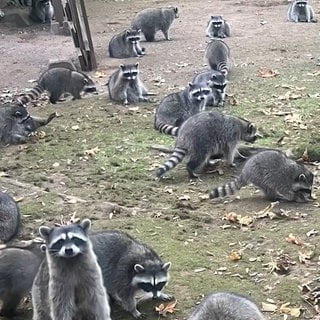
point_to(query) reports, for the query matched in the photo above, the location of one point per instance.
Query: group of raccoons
(73, 272)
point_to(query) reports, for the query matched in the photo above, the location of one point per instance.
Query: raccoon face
(216, 21)
(301, 4)
(218, 82)
(198, 92)
(249, 132)
(133, 36)
(129, 71)
(88, 85)
(302, 186)
(19, 113)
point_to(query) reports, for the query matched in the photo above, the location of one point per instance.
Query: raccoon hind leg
(149, 35)
(196, 161)
(54, 96)
(166, 34)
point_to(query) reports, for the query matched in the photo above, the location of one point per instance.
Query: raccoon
(218, 54)
(57, 81)
(177, 107)
(206, 134)
(218, 27)
(217, 81)
(132, 271)
(18, 268)
(153, 19)
(226, 306)
(126, 44)
(300, 11)
(69, 283)
(125, 85)
(279, 177)
(42, 11)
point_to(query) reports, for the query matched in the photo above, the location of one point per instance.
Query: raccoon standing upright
(207, 134)
(226, 306)
(125, 85)
(218, 55)
(218, 28)
(279, 177)
(69, 283)
(151, 20)
(42, 11)
(300, 11)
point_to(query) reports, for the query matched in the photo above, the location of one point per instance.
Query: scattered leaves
(269, 307)
(163, 309)
(294, 240)
(238, 218)
(269, 73)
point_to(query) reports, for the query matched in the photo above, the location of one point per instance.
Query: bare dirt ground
(98, 153)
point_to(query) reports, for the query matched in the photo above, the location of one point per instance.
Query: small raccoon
(42, 11)
(217, 81)
(18, 268)
(218, 27)
(177, 107)
(300, 11)
(9, 218)
(207, 134)
(218, 55)
(132, 271)
(57, 81)
(126, 44)
(226, 306)
(279, 177)
(125, 85)
(153, 19)
(69, 283)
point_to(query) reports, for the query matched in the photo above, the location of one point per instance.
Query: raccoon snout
(90, 89)
(68, 252)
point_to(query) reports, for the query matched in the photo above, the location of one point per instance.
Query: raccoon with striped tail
(218, 56)
(207, 134)
(177, 107)
(279, 177)
(300, 11)
(218, 27)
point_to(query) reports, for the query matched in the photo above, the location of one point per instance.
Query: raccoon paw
(166, 297)
(138, 315)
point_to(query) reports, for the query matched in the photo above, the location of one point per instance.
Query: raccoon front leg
(128, 303)
(61, 301)
(140, 51)
(229, 153)
(165, 297)
(195, 162)
(166, 34)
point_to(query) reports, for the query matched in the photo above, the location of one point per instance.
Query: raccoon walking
(126, 44)
(177, 107)
(207, 134)
(69, 284)
(153, 19)
(279, 177)
(57, 81)
(218, 55)
(125, 85)
(42, 11)
(218, 27)
(300, 11)
(226, 306)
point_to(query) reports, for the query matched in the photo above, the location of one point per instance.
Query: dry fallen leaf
(163, 309)
(263, 73)
(294, 240)
(293, 311)
(235, 256)
(92, 152)
(231, 216)
(245, 221)
(269, 307)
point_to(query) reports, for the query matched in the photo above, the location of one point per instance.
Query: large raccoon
(217, 81)
(126, 44)
(218, 27)
(279, 177)
(218, 55)
(42, 11)
(300, 11)
(207, 134)
(57, 81)
(226, 306)
(153, 19)
(69, 283)
(177, 107)
(125, 85)
(132, 271)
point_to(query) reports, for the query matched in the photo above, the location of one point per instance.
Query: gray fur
(300, 11)
(125, 85)
(207, 134)
(177, 107)
(42, 11)
(69, 284)
(19, 3)
(226, 306)
(151, 20)
(218, 55)
(218, 27)
(126, 44)
(279, 177)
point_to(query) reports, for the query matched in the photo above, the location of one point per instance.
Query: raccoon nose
(68, 251)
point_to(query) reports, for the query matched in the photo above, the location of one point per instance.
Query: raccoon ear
(251, 128)
(212, 17)
(128, 32)
(138, 268)
(43, 247)
(44, 232)
(190, 84)
(302, 177)
(122, 66)
(139, 30)
(176, 10)
(85, 81)
(85, 224)
(137, 65)
(166, 266)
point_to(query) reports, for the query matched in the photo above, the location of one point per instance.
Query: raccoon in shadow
(125, 85)
(218, 55)
(177, 107)
(226, 306)
(69, 283)
(126, 44)
(207, 134)
(279, 177)
(300, 11)
(58, 81)
(218, 27)
(18, 268)
(42, 11)
(151, 20)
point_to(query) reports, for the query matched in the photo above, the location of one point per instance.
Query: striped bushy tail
(176, 157)
(34, 94)
(167, 129)
(223, 67)
(227, 190)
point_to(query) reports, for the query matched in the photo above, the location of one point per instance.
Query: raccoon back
(119, 47)
(218, 54)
